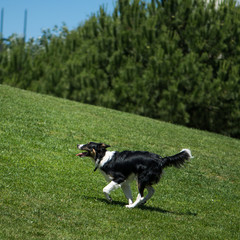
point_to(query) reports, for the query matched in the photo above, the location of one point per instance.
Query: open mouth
(83, 154)
(88, 151)
(84, 148)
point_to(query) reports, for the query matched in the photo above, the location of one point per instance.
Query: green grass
(46, 192)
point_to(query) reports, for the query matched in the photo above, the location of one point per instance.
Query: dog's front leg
(110, 187)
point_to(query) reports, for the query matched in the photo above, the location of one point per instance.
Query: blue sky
(44, 14)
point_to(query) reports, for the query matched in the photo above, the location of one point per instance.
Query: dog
(121, 168)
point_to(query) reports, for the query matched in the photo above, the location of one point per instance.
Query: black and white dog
(121, 168)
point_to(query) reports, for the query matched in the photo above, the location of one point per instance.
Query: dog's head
(92, 149)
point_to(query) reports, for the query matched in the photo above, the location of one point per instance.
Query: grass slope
(48, 193)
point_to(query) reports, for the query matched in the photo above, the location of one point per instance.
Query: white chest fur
(108, 156)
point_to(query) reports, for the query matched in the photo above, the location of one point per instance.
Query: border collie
(121, 168)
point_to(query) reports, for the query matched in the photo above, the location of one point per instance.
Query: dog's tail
(177, 160)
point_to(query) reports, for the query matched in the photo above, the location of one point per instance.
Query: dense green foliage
(178, 61)
(46, 192)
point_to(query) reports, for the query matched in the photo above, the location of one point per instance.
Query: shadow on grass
(156, 209)
(143, 207)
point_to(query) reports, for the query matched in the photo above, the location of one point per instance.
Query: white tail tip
(188, 152)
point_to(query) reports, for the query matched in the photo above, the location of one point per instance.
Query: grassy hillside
(46, 192)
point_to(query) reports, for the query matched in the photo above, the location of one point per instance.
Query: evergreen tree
(176, 61)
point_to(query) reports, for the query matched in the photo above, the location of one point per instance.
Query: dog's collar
(98, 161)
(97, 165)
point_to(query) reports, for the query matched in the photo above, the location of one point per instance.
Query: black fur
(140, 163)
(147, 166)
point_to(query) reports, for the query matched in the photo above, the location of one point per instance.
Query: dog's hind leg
(149, 195)
(138, 201)
(110, 187)
(140, 197)
(127, 191)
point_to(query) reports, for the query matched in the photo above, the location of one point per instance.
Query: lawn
(46, 192)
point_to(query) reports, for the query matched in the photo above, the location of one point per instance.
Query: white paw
(130, 206)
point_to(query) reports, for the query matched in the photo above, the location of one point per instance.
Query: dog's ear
(105, 145)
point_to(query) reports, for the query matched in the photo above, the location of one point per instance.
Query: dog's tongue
(81, 154)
